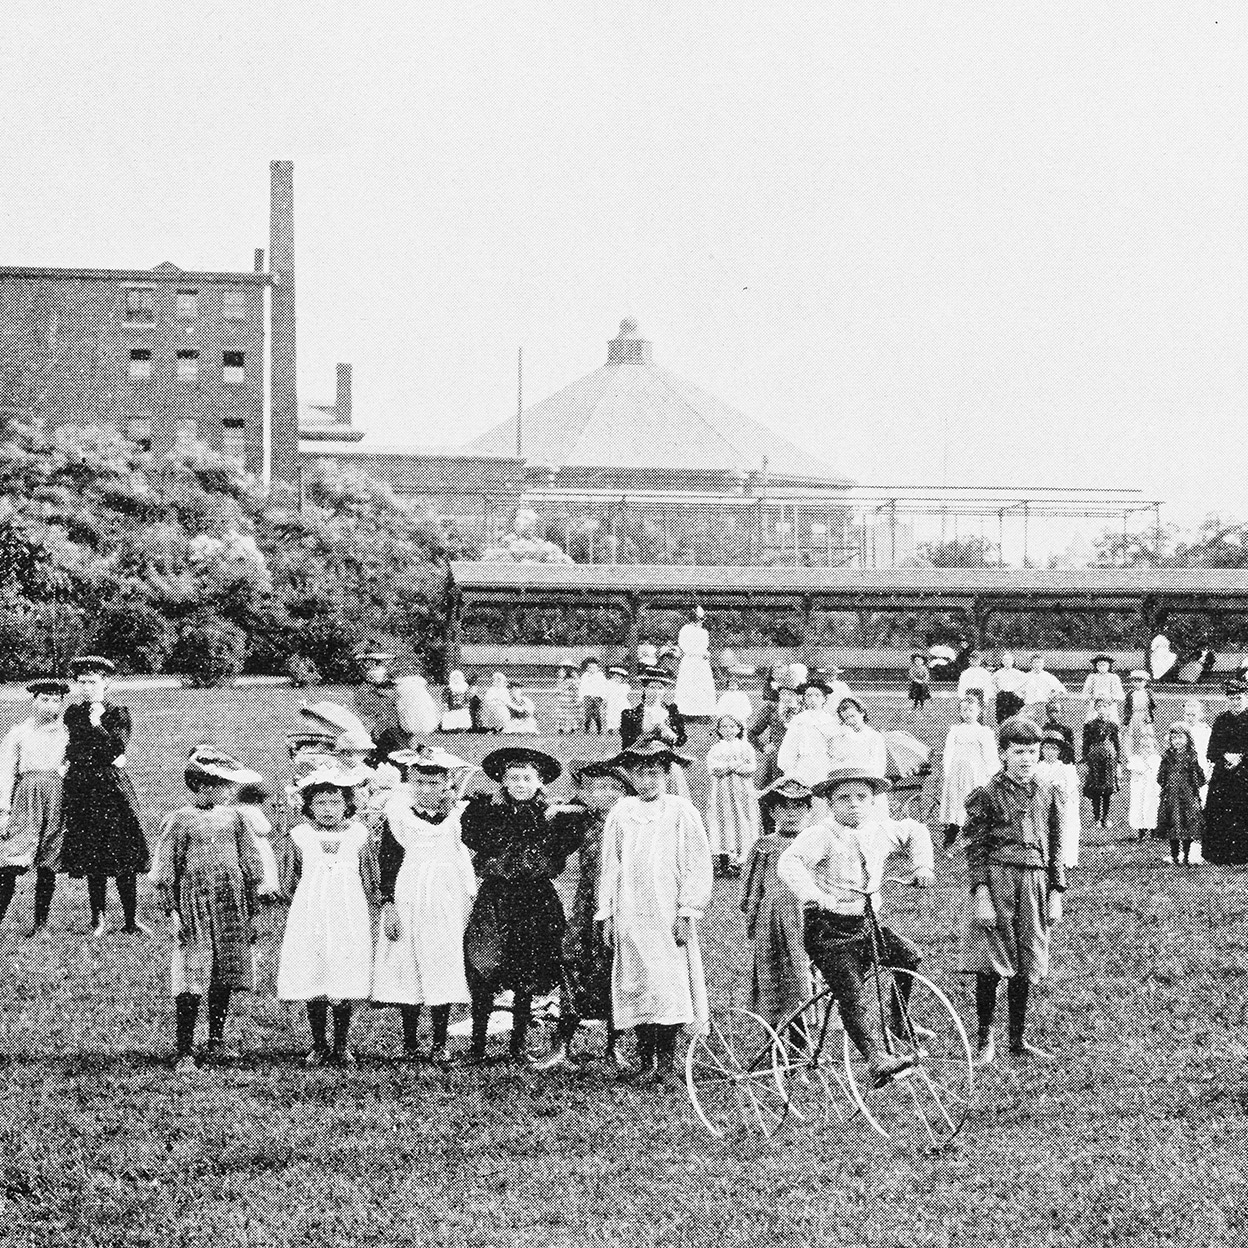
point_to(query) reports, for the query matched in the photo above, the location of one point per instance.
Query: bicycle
(742, 1070)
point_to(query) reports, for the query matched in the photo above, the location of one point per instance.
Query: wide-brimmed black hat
(495, 765)
(785, 789)
(48, 684)
(1102, 658)
(843, 775)
(90, 665)
(1051, 736)
(815, 683)
(654, 676)
(581, 770)
(650, 751)
(1233, 687)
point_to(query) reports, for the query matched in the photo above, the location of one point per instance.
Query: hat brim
(58, 687)
(495, 765)
(877, 784)
(1101, 658)
(91, 665)
(640, 755)
(601, 769)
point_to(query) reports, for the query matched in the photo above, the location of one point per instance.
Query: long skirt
(732, 821)
(103, 835)
(35, 832)
(1102, 772)
(1179, 816)
(1226, 817)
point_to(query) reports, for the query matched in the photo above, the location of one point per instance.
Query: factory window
(233, 305)
(188, 365)
(234, 446)
(140, 364)
(141, 305)
(234, 374)
(186, 306)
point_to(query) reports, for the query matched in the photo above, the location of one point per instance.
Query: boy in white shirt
(1038, 687)
(976, 676)
(830, 867)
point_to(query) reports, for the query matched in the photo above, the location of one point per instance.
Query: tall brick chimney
(283, 385)
(342, 401)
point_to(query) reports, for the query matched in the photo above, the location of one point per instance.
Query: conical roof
(632, 414)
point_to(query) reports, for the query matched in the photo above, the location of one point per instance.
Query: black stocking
(411, 1025)
(318, 1019)
(45, 886)
(8, 885)
(218, 1007)
(985, 1003)
(187, 1005)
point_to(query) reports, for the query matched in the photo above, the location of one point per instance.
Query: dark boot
(411, 1032)
(341, 1053)
(45, 886)
(318, 1024)
(218, 1008)
(187, 1006)
(521, 1009)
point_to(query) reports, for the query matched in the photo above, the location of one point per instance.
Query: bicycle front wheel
(927, 1105)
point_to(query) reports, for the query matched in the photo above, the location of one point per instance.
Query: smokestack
(283, 386)
(342, 402)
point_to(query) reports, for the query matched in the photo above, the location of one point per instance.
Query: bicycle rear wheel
(926, 1106)
(731, 1075)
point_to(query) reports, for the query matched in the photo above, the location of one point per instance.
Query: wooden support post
(634, 607)
(807, 647)
(454, 630)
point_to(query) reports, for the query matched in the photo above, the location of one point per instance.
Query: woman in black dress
(1226, 807)
(103, 836)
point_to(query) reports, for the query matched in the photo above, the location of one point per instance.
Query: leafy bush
(302, 672)
(135, 635)
(209, 651)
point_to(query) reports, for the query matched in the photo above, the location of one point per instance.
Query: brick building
(162, 354)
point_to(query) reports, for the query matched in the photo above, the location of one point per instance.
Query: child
(1057, 767)
(920, 681)
(1180, 819)
(732, 807)
(976, 677)
(1144, 764)
(1102, 750)
(1102, 682)
(567, 695)
(808, 739)
(523, 721)
(327, 947)
(653, 717)
(1040, 688)
(1199, 731)
(1141, 706)
(780, 981)
(1014, 858)
(619, 698)
(859, 745)
(586, 989)
(831, 867)
(592, 692)
(31, 827)
(970, 758)
(515, 934)
(1008, 682)
(1053, 722)
(207, 873)
(426, 887)
(103, 836)
(734, 700)
(456, 717)
(655, 884)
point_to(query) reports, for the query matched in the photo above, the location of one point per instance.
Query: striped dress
(732, 818)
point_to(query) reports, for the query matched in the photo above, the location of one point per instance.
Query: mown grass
(1136, 1135)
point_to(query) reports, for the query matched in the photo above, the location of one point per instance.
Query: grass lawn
(1137, 1135)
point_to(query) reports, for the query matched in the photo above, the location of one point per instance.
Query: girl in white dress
(695, 683)
(970, 758)
(1143, 762)
(654, 885)
(732, 818)
(327, 948)
(860, 745)
(1199, 731)
(427, 884)
(1057, 766)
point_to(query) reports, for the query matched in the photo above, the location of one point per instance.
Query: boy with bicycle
(833, 867)
(1013, 839)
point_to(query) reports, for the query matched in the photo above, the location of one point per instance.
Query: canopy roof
(632, 414)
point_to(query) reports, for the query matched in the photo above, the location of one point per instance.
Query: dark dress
(1226, 807)
(586, 956)
(1068, 736)
(515, 934)
(1101, 751)
(103, 835)
(1181, 777)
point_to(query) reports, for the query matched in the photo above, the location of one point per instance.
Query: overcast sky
(1014, 231)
